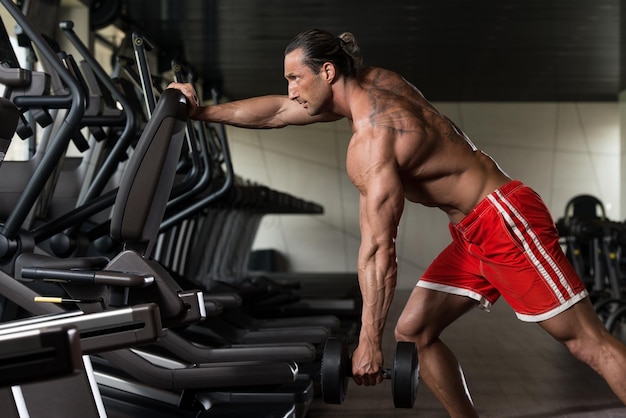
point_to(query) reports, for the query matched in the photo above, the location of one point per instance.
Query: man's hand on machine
(193, 102)
(367, 365)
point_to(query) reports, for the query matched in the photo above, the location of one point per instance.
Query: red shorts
(508, 245)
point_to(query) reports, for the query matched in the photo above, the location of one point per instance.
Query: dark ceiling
(453, 50)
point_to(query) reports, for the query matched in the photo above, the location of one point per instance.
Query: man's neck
(343, 96)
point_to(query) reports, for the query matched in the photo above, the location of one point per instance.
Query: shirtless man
(402, 148)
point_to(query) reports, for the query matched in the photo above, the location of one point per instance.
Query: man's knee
(591, 349)
(580, 330)
(404, 332)
(413, 329)
(579, 349)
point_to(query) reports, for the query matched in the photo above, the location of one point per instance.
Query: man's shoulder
(378, 77)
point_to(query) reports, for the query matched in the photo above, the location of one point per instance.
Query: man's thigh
(430, 311)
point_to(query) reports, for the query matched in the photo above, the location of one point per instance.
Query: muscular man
(403, 149)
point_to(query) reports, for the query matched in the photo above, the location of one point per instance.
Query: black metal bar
(141, 45)
(74, 217)
(127, 135)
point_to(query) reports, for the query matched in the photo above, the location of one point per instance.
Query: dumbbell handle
(385, 372)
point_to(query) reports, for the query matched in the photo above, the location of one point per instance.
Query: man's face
(308, 89)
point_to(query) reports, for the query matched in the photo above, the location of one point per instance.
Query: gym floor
(513, 369)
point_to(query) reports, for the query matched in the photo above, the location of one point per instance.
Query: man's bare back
(437, 163)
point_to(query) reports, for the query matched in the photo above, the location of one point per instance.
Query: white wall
(560, 149)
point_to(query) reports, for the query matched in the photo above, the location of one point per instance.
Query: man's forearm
(377, 288)
(258, 112)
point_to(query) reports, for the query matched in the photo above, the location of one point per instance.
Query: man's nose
(293, 92)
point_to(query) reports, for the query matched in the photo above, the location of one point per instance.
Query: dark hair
(320, 46)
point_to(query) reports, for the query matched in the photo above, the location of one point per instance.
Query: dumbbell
(336, 370)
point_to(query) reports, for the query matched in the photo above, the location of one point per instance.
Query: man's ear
(329, 73)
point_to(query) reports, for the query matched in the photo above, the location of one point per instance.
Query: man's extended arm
(263, 112)
(381, 205)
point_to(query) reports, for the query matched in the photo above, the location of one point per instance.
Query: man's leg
(582, 332)
(426, 314)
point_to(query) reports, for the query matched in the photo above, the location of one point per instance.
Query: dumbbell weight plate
(405, 375)
(334, 371)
